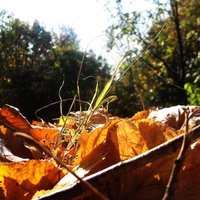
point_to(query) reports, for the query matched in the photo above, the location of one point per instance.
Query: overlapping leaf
(11, 117)
(13, 121)
(22, 179)
(116, 141)
(126, 138)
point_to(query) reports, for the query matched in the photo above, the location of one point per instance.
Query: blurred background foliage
(33, 60)
(173, 75)
(32, 64)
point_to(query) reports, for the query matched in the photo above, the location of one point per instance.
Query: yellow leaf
(22, 179)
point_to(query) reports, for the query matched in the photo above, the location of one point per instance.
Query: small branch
(178, 162)
(138, 91)
(61, 107)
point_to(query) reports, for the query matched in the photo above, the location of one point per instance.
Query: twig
(124, 167)
(178, 162)
(138, 91)
(64, 122)
(56, 102)
(61, 108)
(47, 151)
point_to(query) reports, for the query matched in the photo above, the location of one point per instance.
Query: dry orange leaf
(188, 186)
(45, 136)
(91, 160)
(14, 119)
(14, 144)
(125, 139)
(141, 115)
(22, 180)
(149, 182)
(89, 141)
(116, 141)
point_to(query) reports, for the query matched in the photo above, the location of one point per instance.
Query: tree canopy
(33, 62)
(173, 58)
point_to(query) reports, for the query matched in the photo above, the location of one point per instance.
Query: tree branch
(175, 15)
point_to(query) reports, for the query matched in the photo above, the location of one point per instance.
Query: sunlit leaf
(21, 180)
(14, 119)
(116, 141)
(46, 136)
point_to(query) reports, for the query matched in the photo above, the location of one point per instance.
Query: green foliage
(32, 64)
(173, 57)
(193, 93)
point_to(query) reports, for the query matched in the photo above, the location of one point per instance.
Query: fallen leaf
(14, 121)
(46, 136)
(153, 179)
(125, 139)
(22, 180)
(141, 115)
(91, 160)
(7, 156)
(174, 116)
(188, 185)
(89, 141)
(14, 144)
(86, 164)
(119, 140)
(11, 117)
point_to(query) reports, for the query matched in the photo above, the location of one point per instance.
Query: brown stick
(124, 167)
(178, 162)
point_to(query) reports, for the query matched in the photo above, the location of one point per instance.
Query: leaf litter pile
(118, 158)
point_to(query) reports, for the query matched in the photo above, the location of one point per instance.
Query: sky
(86, 17)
